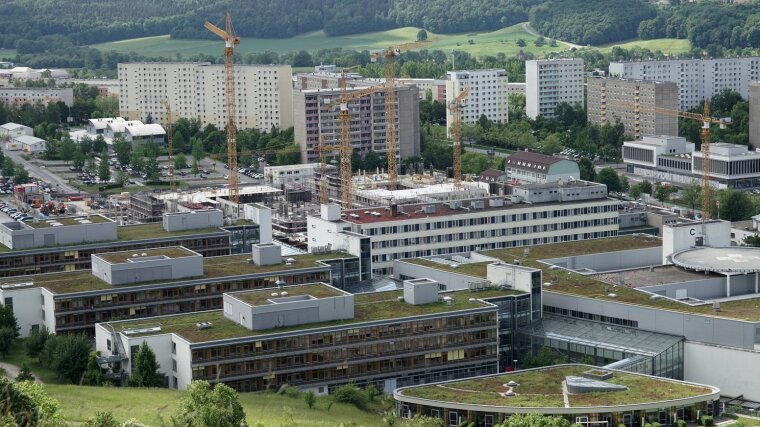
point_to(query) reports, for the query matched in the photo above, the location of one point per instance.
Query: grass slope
(156, 406)
(484, 43)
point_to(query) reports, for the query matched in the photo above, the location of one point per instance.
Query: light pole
(514, 363)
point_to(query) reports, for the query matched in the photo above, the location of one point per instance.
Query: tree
(645, 187)
(552, 144)
(609, 177)
(99, 144)
(90, 165)
(17, 407)
(302, 58)
(194, 169)
(587, 169)
(35, 342)
(372, 160)
(310, 399)
(521, 42)
(662, 192)
(197, 150)
(122, 179)
(24, 373)
(104, 169)
(93, 374)
(79, 159)
(752, 241)
(419, 421)
(137, 160)
(101, 419)
(145, 369)
(9, 168)
(67, 355)
(180, 162)
(123, 150)
(690, 195)
(635, 192)
(108, 105)
(7, 336)
(20, 175)
(422, 35)
(535, 419)
(8, 319)
(67, 149)
(151, 169)
(202, 406)
(48, 408)
(735, 205)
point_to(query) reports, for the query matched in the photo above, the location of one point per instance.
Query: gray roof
(531, 161)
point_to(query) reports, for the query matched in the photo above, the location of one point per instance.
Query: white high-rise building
(264, 93)
(487, 94)
(550, 82)
(697, 79)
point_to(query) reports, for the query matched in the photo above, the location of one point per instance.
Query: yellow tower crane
(346, 148)
(390, 103)
(230, 41)
(706, 120)
(456, 134)
(169, 126)
(324, 192)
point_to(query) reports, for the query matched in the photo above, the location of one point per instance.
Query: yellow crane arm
(356, 95)
(462, 95)
(396, 50)
(216, 30)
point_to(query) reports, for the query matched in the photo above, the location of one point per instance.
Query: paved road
(42, 173)
(11, 371)
(470, 149)
(526, 26)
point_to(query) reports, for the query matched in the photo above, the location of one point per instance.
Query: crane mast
(169, 147)
(230, 41)
(456, 133)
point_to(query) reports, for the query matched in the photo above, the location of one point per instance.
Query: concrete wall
(734, 371)
(146, 270)
(193, 220)
(516, 277)
(266, 254)
(420, 291)
(754, 114)
(449, 281)
(27, 307)
(184, 357)
(262, 216)
(681, 237)
(288, 311)
(695, 327)
(49, 307)
(611, 260)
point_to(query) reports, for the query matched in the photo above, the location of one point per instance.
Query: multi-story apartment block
(29, 95)
(487, 94)
(316, 337)
(314, 115)
(754, 115)
(535, 214)
(633, 103)
(550, 82)
(325, 78)
(435, 87)
(197, 90)
(160, 281)
(697, 79)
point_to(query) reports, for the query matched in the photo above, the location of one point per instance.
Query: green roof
(542, 388)
(263, 296)
(369, 307)
(124, 256)
(213, 267)
(577, 284)
(67, 220)
(156, 231)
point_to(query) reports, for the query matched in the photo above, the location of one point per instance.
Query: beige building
(264, 94)
(632, 103)
(368, 127)
(29, 95)
(487, 95)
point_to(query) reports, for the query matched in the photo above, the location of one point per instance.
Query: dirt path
(11, 371)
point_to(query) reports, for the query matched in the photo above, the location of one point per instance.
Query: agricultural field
(672, 46)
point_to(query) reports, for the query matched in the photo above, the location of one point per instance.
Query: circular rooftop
(735, 259)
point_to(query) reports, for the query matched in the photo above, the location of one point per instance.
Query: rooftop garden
(262, 297)
(156, 230)
(375, 306)
(542, 387)
(213, 267)
(68, 220)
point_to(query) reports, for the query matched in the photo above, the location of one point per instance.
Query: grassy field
(156, 406)
(672, 46)
(484, 43)
(7, 53)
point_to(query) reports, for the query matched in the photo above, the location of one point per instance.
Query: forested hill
(95, 21)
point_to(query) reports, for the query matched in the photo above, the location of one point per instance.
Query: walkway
(11, 371)
(527, 28)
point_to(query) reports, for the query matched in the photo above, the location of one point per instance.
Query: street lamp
(514, 363)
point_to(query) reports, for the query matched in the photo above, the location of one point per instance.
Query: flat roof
(368, 307)
(730, 260)
(124, 256)
(213, 268)
(263, 296)
(543, 388)
(443, 209)
(642, 277)
(67, 220)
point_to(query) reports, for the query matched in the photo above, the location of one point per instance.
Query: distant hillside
(97, 21)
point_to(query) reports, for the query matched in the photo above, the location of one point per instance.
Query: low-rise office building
(30, 96)
(161, 281)
(317, 337)
(524, 167)
(535, 214)
(11, 130)
(27, 144)
(70, 230)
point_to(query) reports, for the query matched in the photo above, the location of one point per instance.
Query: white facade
(550, 82)
(436, 87)
(23, 95)
(27, 144)
(697, 79)
(646, 151)
(518, 88)
(12, 130)
(487, 94)
(277, 176)
(264, 93)
(738, 372)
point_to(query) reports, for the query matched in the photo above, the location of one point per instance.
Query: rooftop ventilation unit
(448, 300)
(455, 204)
(496, 203)
(17, 285)
(428, 209)
(204, 325)
(477, 204)
(283, 294)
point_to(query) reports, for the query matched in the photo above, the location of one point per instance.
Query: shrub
(293, 392)
(351, 394)
(310, 398)
(680, 423)
(24, 374)
(706, 420)
(101, 419)
(36, 342)
(371, 392)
